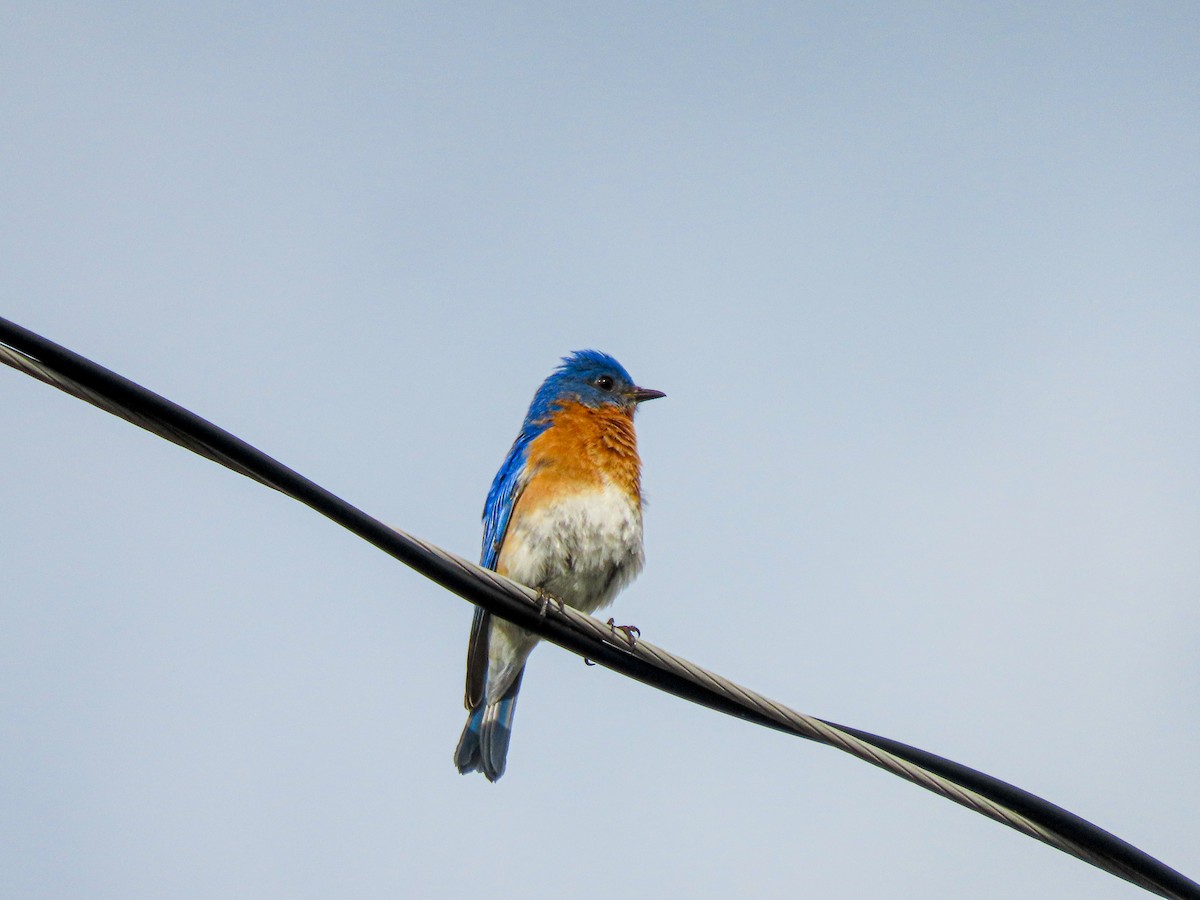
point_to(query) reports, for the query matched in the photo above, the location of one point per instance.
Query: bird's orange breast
(585, 448)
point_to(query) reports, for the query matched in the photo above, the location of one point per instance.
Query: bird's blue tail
(484, 742)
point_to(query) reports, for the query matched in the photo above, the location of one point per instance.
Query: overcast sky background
(920, 281)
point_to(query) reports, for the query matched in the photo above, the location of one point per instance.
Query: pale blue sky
(920, 281)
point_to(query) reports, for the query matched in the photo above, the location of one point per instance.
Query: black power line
(1025, 812)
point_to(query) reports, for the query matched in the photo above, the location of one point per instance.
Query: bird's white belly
(582, 548)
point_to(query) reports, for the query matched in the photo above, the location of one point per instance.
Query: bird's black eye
(605, 382)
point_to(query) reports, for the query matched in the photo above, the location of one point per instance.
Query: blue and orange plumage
(564, 516)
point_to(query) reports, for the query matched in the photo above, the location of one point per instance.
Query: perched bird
(563, 516)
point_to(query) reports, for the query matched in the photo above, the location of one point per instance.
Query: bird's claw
(631, 632)
(544, 600)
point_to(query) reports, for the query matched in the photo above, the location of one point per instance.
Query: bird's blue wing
(506, 489)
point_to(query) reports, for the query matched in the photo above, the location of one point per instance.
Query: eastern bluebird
(564, 516)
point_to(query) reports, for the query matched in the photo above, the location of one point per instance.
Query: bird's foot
(544, 600)
(631, 632)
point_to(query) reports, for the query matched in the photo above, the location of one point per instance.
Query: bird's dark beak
(641, 395)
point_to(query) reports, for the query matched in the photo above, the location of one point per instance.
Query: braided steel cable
(1031, 815)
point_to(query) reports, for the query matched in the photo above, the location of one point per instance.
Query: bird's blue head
(591, 378)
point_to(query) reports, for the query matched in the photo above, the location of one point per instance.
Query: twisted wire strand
(23, 362)
(585, 635)
(783, 718)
